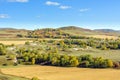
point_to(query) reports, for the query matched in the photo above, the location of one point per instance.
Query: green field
(108, 54)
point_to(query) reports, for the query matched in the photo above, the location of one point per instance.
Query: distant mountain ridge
(69, 28)
(58, 32)
(11, 29)
(107, 30)
(12, 32)
(74, 28)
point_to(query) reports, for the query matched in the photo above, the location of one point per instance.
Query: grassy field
(59, 73)
(107, 54)
(9, 41)
(13, 42)
(91, 33)
(103, 36)
(8, 77)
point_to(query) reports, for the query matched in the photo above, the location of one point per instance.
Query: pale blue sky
(33, 14)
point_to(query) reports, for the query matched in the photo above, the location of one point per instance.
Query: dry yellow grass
(58, 73)
(13, 42)
(103, 36)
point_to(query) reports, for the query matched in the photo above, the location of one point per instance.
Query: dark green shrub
(116, 64)
(15, 64)
(35, 78)
(85, 64)
(5, 64)
(27, 63)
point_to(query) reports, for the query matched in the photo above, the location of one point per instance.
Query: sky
(35, 14)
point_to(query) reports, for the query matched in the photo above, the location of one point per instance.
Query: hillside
(77, 30)
(71, 32)
(108, 30)
(12, 32)
(62, 32)
(83, 31)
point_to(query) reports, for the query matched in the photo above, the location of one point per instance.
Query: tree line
(55, 59)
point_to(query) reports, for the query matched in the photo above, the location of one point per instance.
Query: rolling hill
(58, 32)
(99, 33)
(12, 32)
(108, 30)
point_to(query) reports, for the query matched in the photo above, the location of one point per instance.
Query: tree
(85, 58)
(61, 43)
(33, 61)
(64, 60)
(74, 61)
(27, 43)
(26, 58)
(2, 50)
(65, 47)
(109, 63)
(56, 50)
(102, 63)
(20, 35)
(115, 46)
(55, 61)
(103, 47)
(45, 57)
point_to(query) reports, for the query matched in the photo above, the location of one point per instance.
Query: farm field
(12, 42)
(60, 73)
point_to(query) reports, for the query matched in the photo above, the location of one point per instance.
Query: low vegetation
(58, 47)
(48, 52)
(35, 78)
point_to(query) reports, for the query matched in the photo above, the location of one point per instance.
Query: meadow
(107, 54)
(9, 77)
(12, 42)
(31, 52)
(62, 73)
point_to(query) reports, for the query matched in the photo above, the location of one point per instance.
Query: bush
(73, 61)
(35, 78)
(20, 61)
(27, 43)
(109, 63)
(116, 64)
(33, 61)
(99, 63)
(85, 64)
(27, 63)
(5, 64)
(15, 64)
(2, 50)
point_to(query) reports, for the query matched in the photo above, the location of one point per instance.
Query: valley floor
(60, 73)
